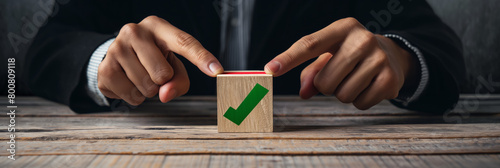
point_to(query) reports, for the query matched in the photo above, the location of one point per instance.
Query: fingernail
(216, 68)
(272, 67)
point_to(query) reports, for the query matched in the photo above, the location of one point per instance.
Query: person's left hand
(354, 64)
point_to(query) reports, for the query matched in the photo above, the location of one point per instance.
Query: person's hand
(140, 62)
(353, 64)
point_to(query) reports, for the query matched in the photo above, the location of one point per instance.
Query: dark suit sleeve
(59, 54)
(416, 22)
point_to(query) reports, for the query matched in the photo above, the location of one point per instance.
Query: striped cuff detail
(96, 59)
(424, 77)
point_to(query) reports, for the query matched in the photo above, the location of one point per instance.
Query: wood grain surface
(321, 132)
(326, 161)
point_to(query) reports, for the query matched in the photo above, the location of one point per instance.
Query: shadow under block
(241, 92)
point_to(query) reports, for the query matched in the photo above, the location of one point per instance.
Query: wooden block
(245, 88)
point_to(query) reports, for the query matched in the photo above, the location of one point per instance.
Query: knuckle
(350, 21)
(386, 82)
(393, 90)
(101, 86)
(388, 85)
(392, 77)
(379, 59)
(344, 97)
(130, 30)
(184, 40)
(366, 40)
(322, 87)
(135, 97)
(150, 87)
(139, 100)
(115, 50)
(351, 59)
(162, 75)
(325, 91)
(151, 91)
(105, 70)
(150, 20)
(202, 55)
(361, 106)
(309, 42)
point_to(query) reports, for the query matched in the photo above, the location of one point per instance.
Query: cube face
(233, 91)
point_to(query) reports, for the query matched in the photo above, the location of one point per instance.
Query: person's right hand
(140, 62)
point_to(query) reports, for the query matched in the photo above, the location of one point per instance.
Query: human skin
(352, 63)
(140, 62)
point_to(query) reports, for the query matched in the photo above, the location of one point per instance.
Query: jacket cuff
(405, 97)
(92, 69)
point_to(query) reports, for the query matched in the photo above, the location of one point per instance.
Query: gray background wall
(477, 22)
(19, 18)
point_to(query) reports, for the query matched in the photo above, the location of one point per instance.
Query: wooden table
(321, 132)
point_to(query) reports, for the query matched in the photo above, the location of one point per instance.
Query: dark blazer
(59, 55)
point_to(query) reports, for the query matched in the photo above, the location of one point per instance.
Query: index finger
(182, 43)
(309, 47)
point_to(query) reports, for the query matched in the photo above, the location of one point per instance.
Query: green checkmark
(253, 98)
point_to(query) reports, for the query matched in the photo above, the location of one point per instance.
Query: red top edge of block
(246, 72)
